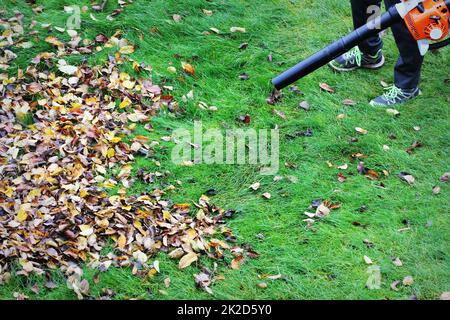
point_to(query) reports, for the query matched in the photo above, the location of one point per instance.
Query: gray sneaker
(394, 95)
(355, 59)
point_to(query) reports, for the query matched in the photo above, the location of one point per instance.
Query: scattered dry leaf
(408, 281)
(238, 29)
(361, 130)
(187, 260)
(267, 195)
(188, 68)
(367, 260)
(326, 87)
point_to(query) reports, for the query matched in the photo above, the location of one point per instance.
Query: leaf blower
(427, 20)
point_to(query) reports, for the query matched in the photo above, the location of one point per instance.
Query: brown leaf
(415, 145)
(341, 178)
(237, 262)
(188, 68)
(187, 260)
(274, 97)
(372, 174)
(101, 38)
(280, 114)
(204, 279)
(121, 241)
(326, 87)
(349, 102)
(408, 281)
(245, 119)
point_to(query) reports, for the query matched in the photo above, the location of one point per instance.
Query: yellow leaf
(83, 193)
(152, 272)
(22, 213)
(54, 41)
(138, 225)
(111, 153)
(8, 191)
(187, 260)
(121, 241)
(128, 84)
(125, 103)
(126, 50)
(102, 223)
(91, 101)
(124, 76)
(116, 139)
(166, 215)
(200, 214)
(86, 230)
(191, 234)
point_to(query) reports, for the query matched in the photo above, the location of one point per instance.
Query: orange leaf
(188, 68)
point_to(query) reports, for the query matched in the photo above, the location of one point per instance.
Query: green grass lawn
(322, 262)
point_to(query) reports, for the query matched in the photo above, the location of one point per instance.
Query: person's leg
(368, 54)
(408, 67)
(362, 12)
(407, 70)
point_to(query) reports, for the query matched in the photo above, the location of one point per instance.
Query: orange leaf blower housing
(429, 20)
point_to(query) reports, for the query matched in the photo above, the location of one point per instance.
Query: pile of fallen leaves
(66, 136)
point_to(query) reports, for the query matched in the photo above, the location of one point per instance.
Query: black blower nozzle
(337, 48)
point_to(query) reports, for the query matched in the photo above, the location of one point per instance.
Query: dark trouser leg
(409, 65)
(360, 18)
